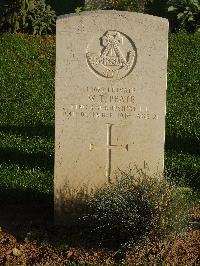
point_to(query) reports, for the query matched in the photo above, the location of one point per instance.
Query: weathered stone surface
(111, 71)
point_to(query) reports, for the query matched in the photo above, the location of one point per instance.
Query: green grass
(183, 109)
(27, 113)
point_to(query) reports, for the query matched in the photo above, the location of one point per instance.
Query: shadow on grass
(184, 176)
(24, 159)
(185, 145)
(182, 167)
(28, 160)
(43, 131)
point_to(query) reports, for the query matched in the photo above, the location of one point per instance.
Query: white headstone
(111, 80)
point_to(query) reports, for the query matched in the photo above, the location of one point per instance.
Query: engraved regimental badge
(112, 56)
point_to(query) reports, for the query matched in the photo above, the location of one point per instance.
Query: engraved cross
(109, 146)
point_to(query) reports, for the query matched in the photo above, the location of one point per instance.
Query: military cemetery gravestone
(111, 79)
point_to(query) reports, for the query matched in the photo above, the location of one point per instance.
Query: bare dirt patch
(28, 237)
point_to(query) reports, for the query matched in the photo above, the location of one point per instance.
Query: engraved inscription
(110, 103)
(109, 146)
(112, 99)
(144, 114)
(113, 56)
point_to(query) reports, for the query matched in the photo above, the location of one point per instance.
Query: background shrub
(186, 14)
(181, 14)
(32, 16)
(129, 5)
(62, 6)
(133, 208)
(157, 8)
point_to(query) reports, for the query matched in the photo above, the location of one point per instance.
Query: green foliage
(62, 6)
(129, 5)
(78, 9)
(157, 8)
(27, 15)
(133, 208)
(187, 13)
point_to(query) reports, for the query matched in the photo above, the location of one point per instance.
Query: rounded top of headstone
(114, 13)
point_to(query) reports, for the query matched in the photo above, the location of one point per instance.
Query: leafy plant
(129, 5)
(187, 13)
(78, 9)
(27, 15)
(42, 18)
(133, 208)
